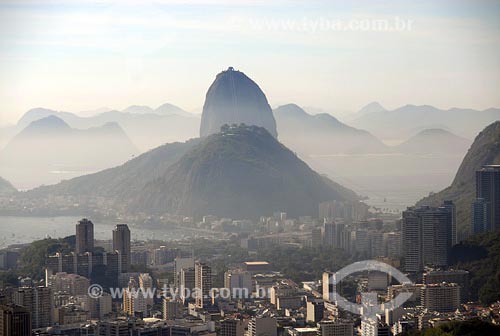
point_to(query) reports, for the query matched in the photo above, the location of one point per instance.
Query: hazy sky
(327, 54)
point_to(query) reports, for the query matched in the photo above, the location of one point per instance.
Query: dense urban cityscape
(124, 286)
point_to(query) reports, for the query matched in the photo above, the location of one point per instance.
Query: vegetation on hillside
(32, 259)
(480, 255)
(485, 150)
(469, 328)
(242, 172)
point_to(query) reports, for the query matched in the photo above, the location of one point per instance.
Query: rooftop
(255, 263)
(491, 167)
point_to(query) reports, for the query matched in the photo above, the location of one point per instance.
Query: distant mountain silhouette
(122, 182)
(322, 133)
(140, 109)
(484, 150)
(48, 147)
(434, 141)
(146, 129)
(407, 120)
(164, 109)
(170, 109)
(242, 172)
(233, 98)
(40, 113)
(6, 187)
(373, 107)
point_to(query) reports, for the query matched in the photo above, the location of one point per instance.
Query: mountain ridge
(6, 187)
(484, 150)
(243, 172)
(409, 119)
(434, 141)
(322, 133)
(50, 145)
(146, 130)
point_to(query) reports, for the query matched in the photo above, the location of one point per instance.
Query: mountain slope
(402, 122)
(484, 150)
(233, 98)
(321, 133)
(139, 109)
(6, 187)
(373, 107)
(119, 183)
(434, 141)
(170, 109)
(242, 172)
(48, 150)
(480, 255)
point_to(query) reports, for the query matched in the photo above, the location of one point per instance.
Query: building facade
(84, 236)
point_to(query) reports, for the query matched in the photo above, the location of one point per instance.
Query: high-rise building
(121, 244)
(73, 284)
(14, 321)
(460, 277)
(480, 214)
(488, 189)
(336, 327)
(316, 238)
(232, 327)
(163, 255)
(38, 301)
(377, 246)
(374, 327)
(179, 264)
(146, 285)
(186, 283)
(98, 307)
(427, 236)
(172, 309)
(443, 297)
(392, 242)
(333, 233)
(239, 283)
(329, 233)
(377, 280)
(328, 287)
(8, 259)
(453, 211)
(262, 326)
(113, 328)
(315, 310)
(84, 264)
(134, 300)
(361, 242)
(203, 284)
(84, 236)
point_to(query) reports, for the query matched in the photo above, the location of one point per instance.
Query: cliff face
(485, 150)
(233, 98)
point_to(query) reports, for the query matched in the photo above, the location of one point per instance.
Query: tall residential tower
(121, 244)
(84, 236)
